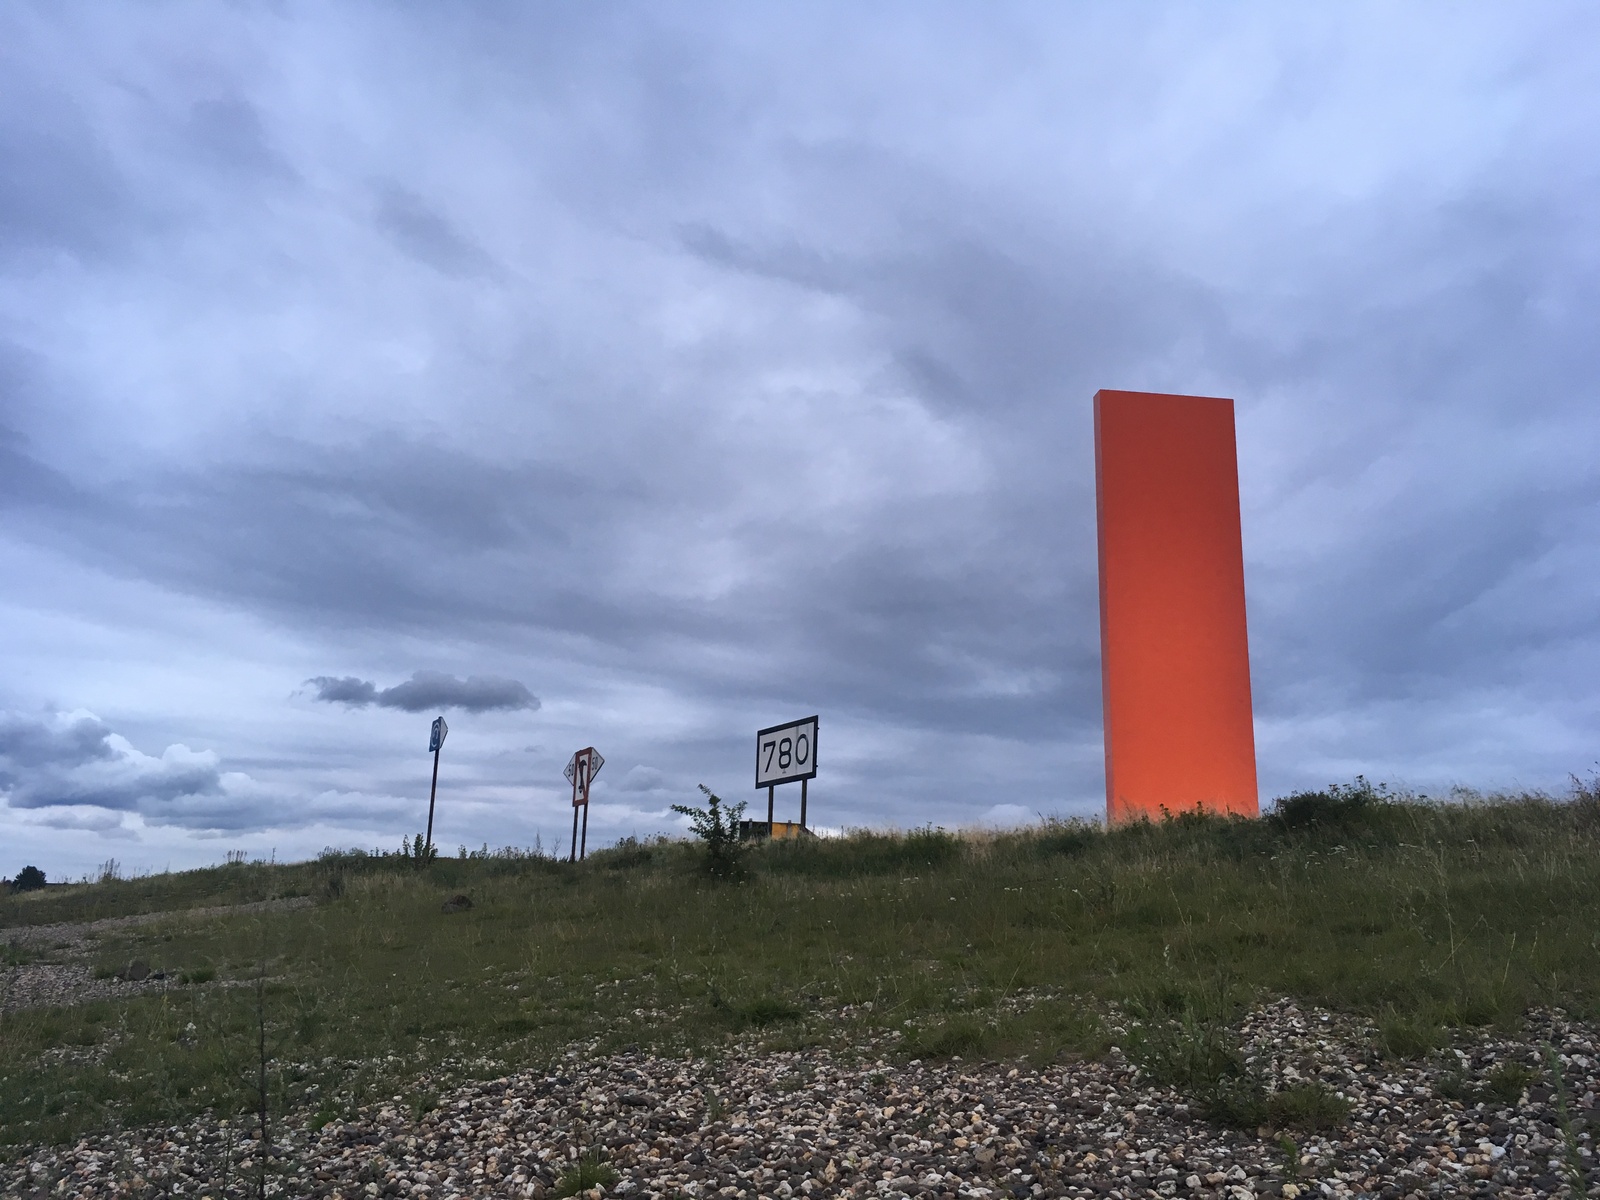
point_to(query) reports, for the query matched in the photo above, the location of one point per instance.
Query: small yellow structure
(777, 830)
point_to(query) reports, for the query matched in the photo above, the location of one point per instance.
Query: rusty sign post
(785, 753)
(435, 743)
(582, 767)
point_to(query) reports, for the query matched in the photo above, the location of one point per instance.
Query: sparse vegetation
(1424, 917)
(1308, 1107)
(1196, 1053)
(591, 1170)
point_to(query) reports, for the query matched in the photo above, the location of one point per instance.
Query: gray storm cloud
(427, 690)
(724, 365)
(72, 760)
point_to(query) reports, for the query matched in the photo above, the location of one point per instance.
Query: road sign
(583, 766)
(436, 737)
(786, 752)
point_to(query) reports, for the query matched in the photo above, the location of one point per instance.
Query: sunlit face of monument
(1175, 659)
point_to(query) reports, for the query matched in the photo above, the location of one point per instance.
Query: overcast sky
(639, 375)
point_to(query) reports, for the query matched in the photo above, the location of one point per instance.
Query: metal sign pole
(803, 783)
(572, 847)
(582, 767)
(436, 738)
(770, 787)
(432, 792)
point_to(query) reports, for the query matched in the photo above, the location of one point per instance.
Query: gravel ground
(65, 975)
(768, 1124)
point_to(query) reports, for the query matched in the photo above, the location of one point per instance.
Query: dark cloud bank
(427, 690)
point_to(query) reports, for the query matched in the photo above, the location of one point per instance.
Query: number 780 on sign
(786, 752)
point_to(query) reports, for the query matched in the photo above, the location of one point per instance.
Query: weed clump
(718, 828)
(1308, 1107)
(15, 954)
(590, 1171)
(761, 1012)
(1408, 1036)
(957, 1038)
(422, 1102)
(1502, 1086)
(1201, 1059)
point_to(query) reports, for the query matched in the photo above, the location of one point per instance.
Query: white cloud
(79, 774)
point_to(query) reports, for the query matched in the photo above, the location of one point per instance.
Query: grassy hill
(1030, 944)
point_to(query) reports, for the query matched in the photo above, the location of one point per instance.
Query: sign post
(582, 767)
(435, 743)
(786, 753)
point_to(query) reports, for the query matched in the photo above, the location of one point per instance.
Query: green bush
(28, 879)
(1342, 811)
(718, 828)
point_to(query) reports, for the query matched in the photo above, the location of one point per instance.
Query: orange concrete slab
(1174, 651)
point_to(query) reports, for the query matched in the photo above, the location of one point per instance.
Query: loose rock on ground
(752, 1123)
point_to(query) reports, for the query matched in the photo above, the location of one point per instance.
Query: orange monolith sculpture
(1174, 659)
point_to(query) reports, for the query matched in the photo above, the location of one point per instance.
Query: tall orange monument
(1174, 657)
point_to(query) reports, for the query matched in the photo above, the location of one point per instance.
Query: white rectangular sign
(786, 752)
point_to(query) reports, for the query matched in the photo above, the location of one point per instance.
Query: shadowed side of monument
(1175, 660)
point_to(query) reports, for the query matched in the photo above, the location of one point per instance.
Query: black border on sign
(816, 738)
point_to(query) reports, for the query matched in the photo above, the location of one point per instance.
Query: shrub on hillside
(718, 828)
(1342, 810)
(28, 879)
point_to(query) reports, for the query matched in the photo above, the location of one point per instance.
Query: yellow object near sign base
(776, 830)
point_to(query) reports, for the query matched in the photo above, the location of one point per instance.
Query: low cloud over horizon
(75, 771)
(427, 690)
(709, 368)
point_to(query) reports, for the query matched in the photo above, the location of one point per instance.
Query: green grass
(591, 1170)
(1424, 917)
